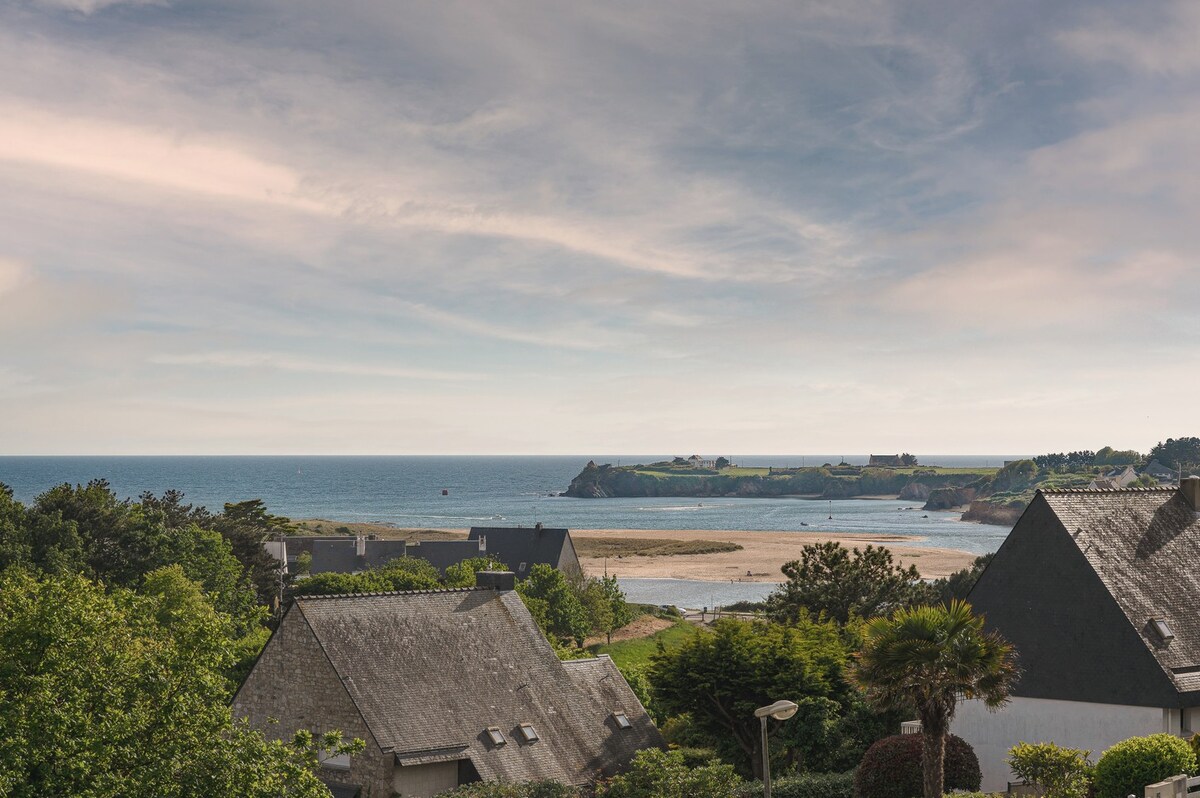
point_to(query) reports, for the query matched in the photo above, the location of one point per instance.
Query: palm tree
(926, 658)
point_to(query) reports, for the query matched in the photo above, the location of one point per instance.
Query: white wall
(1092, 727)
(425, 781)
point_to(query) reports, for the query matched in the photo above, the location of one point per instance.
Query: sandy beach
(762, 554)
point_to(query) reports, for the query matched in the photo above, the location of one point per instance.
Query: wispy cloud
(286, 362)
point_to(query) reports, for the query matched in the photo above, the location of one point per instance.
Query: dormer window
(622, 720)
(496, 736)
(1161, 630)
(528, 733)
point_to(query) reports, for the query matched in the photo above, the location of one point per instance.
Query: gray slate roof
(1145, 547)
(1076, 585)
(529, 545)
(441, 554)
(430, 671)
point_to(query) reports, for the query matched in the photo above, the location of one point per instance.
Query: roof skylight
(496, 736)
(1162, 630)
(528, 732)
(622, 720)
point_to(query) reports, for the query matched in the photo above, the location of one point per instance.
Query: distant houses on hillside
(446, 687)
(1097, 591)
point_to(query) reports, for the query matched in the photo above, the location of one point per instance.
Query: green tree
(842, 582)
(925, 659)
(462, 574)
(605, 605)
(402, 573)
(663, 774)
(720, 676)
(108, 693)
(1061, 772)
(1177, 453)
(247, 525)
(554, 604)
(958, 584)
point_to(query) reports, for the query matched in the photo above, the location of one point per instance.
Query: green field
(637, 653)
(648, 547)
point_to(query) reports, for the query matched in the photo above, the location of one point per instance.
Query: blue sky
(534, 227)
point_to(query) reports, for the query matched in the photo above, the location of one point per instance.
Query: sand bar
(762, 554)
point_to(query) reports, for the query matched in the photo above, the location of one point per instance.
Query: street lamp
(780, 710)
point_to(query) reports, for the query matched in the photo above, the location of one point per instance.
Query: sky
(526, 227)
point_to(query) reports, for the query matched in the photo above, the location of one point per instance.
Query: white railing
(1175, 787)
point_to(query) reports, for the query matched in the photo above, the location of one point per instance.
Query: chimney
(483, 542)
(538, 526)
(500, 581)
(1190, 488)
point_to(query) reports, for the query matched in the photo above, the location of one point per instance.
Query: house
(520, 548)
(1159, 471)
(1103, 483)
(349, 555)
(885, 460)
(446, 687)
(441, 554)
(1098, 592)
(1122, 476)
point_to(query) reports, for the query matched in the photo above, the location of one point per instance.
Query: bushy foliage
(503, 789)
(554, 604)
(1177, 452)
(891, 768)
(1061, 772)
(720, 676)
(402, 573)
(805, 785)
(958, 584)
(108, 693)
(1131, 764)
(462, 574)
(663, 774)
(841, 582)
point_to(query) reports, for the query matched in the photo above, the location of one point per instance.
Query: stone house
(1098, 592)
(446, 687)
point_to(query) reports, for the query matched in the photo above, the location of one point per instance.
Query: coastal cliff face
(664, 479)
(946, 498)
(1000, 514)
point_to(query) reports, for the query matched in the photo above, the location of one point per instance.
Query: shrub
(1131, 764)
(662, 774)
(1061, 772)
(503, 789)
(804, 785)
(891, 768)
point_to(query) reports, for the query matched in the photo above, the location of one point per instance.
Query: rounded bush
(1131, 764)
(891, 768)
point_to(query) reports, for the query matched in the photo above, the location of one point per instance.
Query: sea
(463, 491)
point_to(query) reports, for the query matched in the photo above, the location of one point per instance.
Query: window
(622, 720)
(1162, 630)
(528, 732)
(496, 736)
(339, 762)
(522, 568)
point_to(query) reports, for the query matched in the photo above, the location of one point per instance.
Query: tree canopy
(840, 582)
(720, 677)
(112, 693)
(1177, 453)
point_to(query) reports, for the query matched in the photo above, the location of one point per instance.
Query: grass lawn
(637, 652)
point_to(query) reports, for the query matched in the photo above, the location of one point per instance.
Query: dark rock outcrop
(945, 498)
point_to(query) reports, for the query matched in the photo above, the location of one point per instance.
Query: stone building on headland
(446, 687)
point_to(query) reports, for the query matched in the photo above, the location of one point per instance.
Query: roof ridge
(306, 597)
(1053, 491)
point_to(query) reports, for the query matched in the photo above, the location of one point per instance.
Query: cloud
(92, 6)
(286, 362)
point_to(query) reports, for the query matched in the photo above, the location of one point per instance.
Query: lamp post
(780, 710)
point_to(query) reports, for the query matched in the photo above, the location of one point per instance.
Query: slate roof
(441, 554)
(431, 671)
(1076, 585)
(530, 545)
(1145, 547)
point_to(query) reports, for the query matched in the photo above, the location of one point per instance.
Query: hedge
(891, 768)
